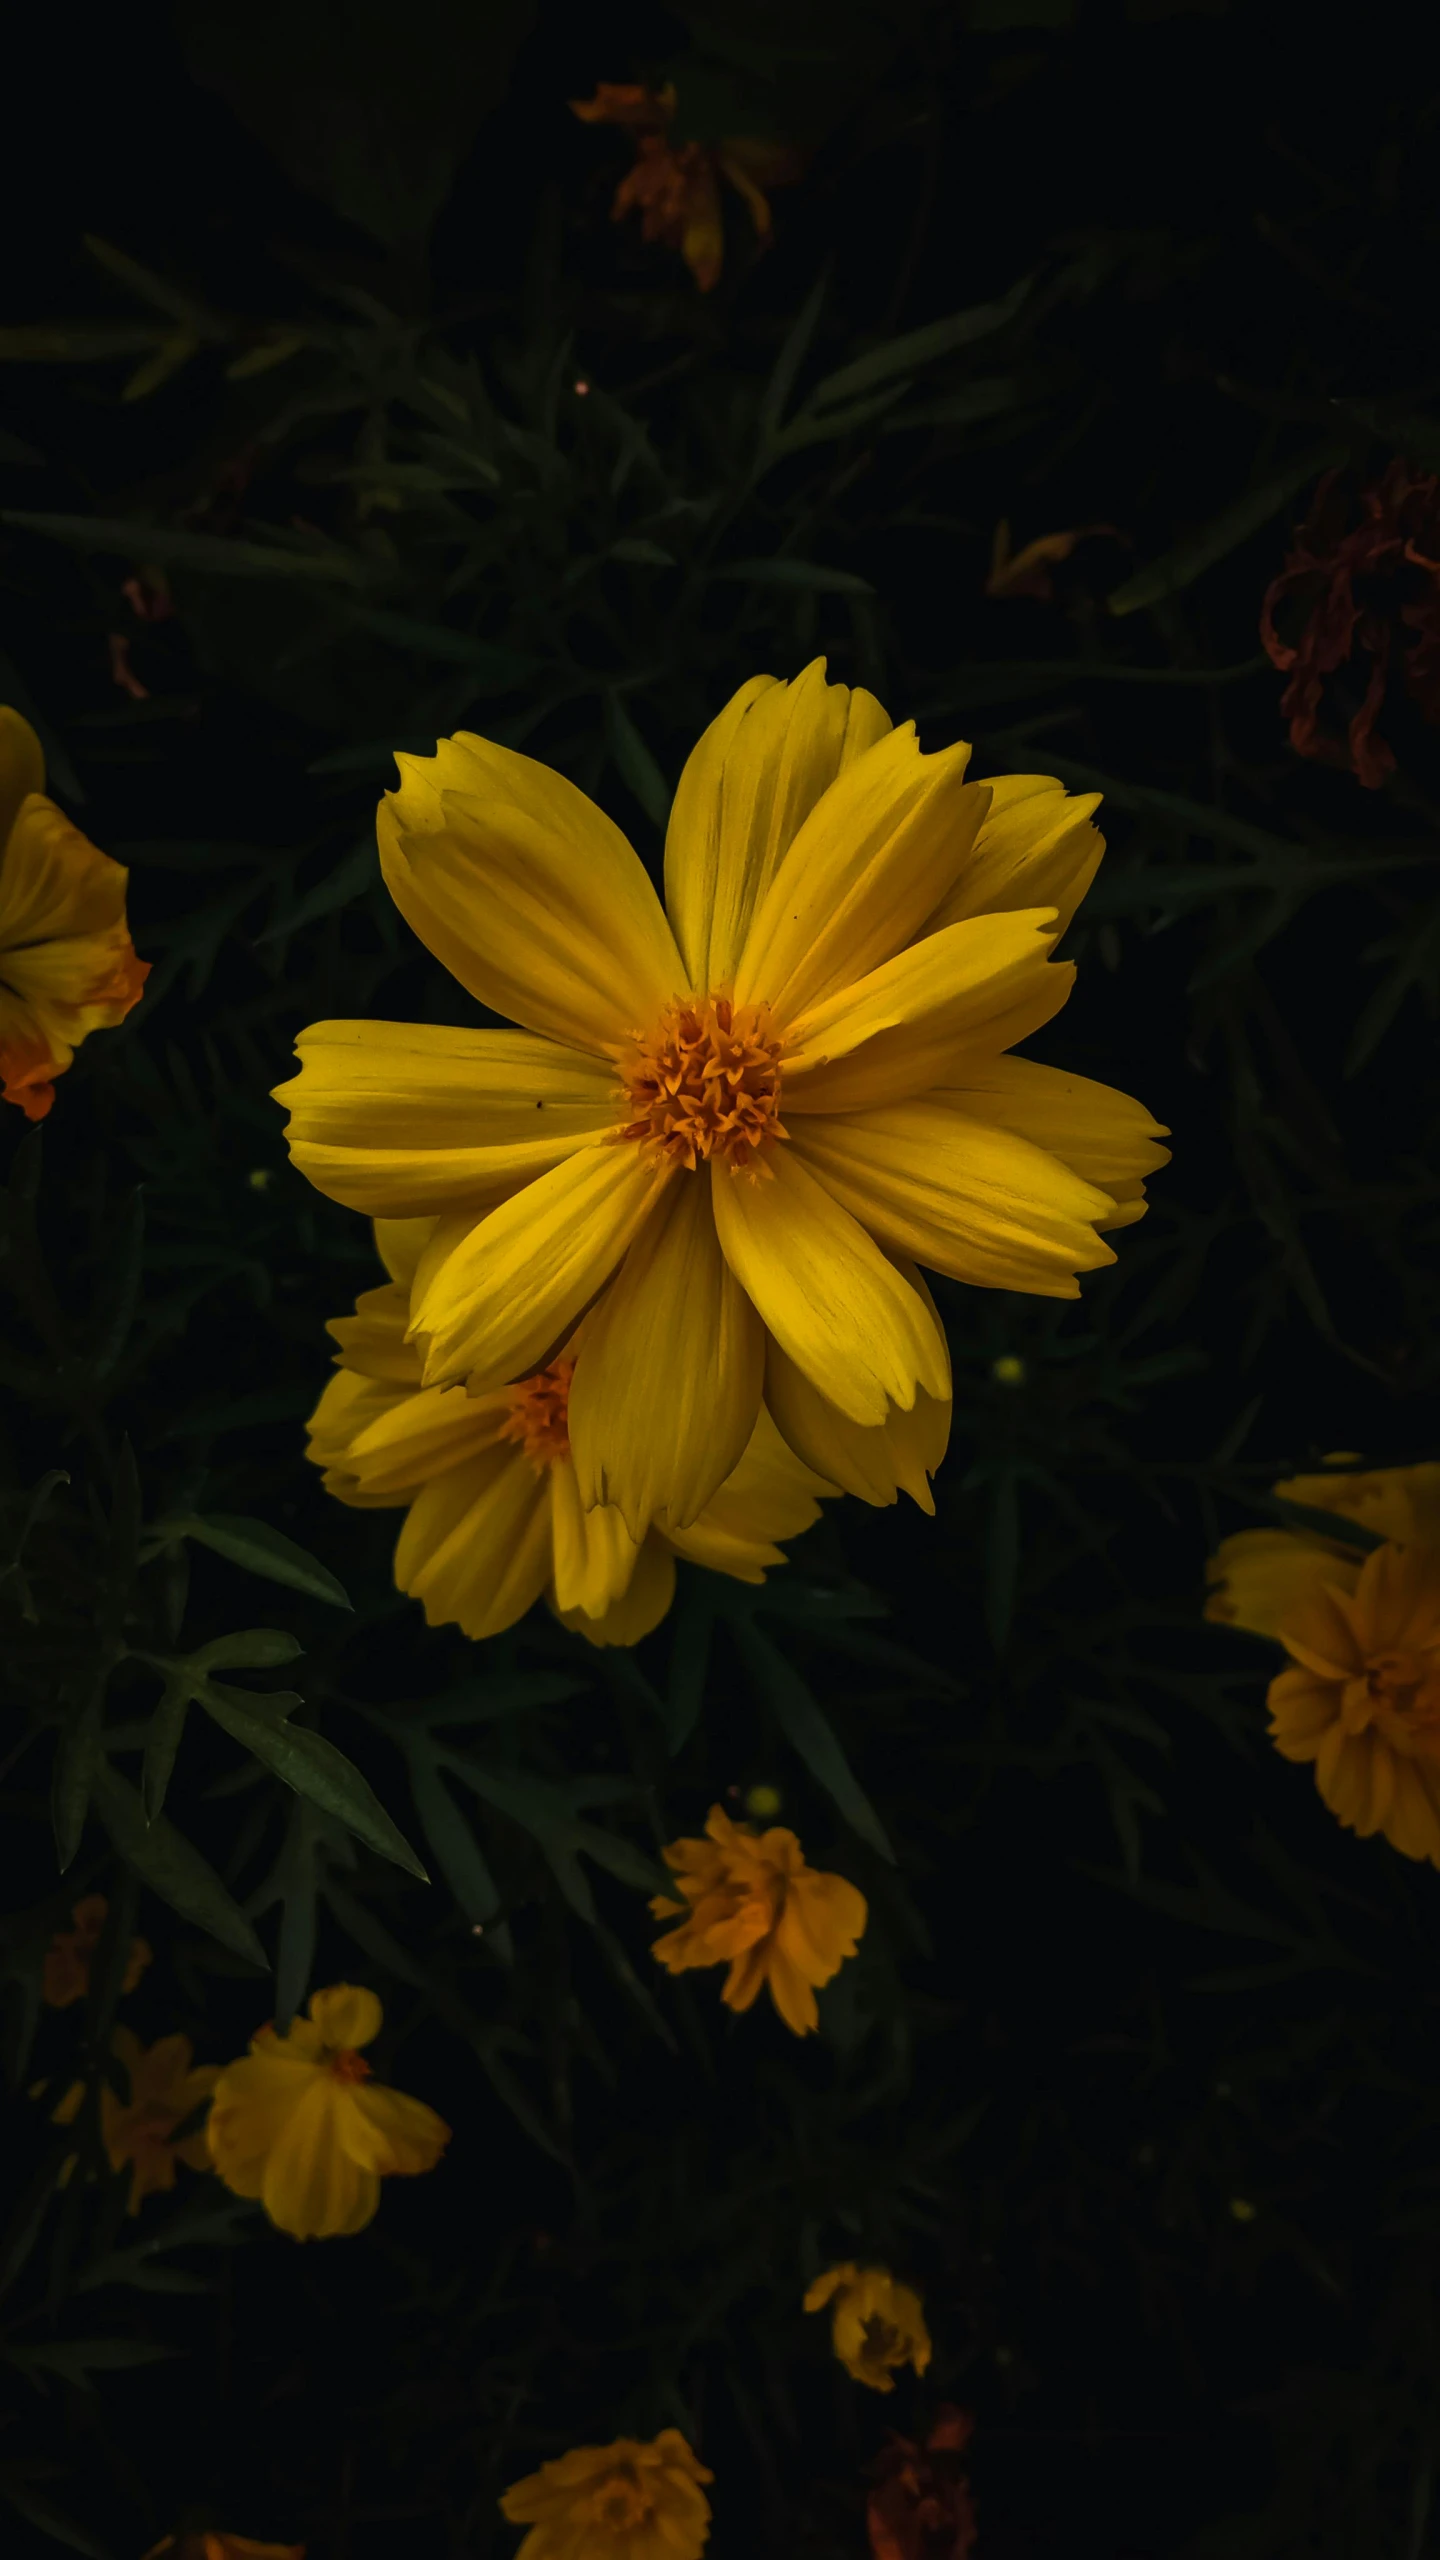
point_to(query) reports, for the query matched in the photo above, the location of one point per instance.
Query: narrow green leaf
(353, 877)
(693, 1622)
(791, 357)
(918, 348)
(75, 2359)
(810, 575)
(174, 547)
(172, 1868)
(46, 2518)
(259, 1549)
(162, 1743)
(76, 1762)
(299, 1895)
(634, 761)
(249, 1649)
(314, 1768)
(809, 1732)
(1180, 567)
(157, 290)
(457, 1852)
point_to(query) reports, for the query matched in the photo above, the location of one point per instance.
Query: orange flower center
(881, 2342)
(706, 1083)
(619, 2504)
(539, 1408)
(346, 2064)
(1399, 1692)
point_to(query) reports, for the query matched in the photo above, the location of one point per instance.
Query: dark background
(1126, 1974)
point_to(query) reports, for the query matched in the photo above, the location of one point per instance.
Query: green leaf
(259, 1549)
(176, 304)
(791, 357)
(313, 1767)
(809, 1732)
(162, 1744)
(634, 761)
(172, 1868)
(1179, 568)
(249, 1649)
(75, 2359)
(38, 2511)
(216, 555)
(456, 1849)
(919, 347)
(354, 876)
(76, 1762)
(811, 575)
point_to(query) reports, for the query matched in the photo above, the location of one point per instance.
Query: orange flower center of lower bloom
(706, 1083)
(619, 2504)
(539, 1408)
(881, 2342)
(346, 2064)
(1400, 1692)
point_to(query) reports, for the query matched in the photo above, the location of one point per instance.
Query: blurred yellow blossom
(750, 1901)
(165, 2088)
(299, 2123)
(65, 1977)
(1360, 1698)
(876, 2323)
(67, 964)
(620, 2501)
(675, 186)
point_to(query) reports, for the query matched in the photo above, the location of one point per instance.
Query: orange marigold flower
(209, 2545)
(876, 2324)
(299, 2122)
(1362, 587)
(67, 964)
(1027, 572)
(675, 186)
(65, 1977)
(621, 2501)
(1361, 1696)
(920, 2507)
(165, 2088)
(750, 1901)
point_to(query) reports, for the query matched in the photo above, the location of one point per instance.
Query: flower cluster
(749, 1900)
(1360, 1697)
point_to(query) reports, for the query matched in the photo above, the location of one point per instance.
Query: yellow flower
(856, 936)
(494, 1518)
(299, 2123)
(1361, 1696)
(65, 1976)
(675, 186)
(165, 2088)
(750, 1901)
(876, 2323)
(621, 2501)
(67, 964)
(223, 2546)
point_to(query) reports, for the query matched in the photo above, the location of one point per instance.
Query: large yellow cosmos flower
(723, 1128)
(494, 1519)
(67, 963)
(620, 2501)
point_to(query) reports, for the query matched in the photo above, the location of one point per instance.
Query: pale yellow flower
(876, 2324)
(299, 2122)
(494, 1519)
(67, 964)
(139, 2131)
(748, 1900)
(621, 2501)
(730, 1130)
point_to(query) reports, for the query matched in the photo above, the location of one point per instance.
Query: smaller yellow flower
(223, 2546)
(621, 2501)
(165, 2088)
(750, 1901)
(65, 1977)
(876, 2323)
(1259, 1576)
(298, 2122)
(67, 963)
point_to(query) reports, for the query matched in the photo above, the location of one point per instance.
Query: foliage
(1134, 2074)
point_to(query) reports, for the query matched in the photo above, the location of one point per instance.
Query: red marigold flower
(920, 2507)
(1365, 586)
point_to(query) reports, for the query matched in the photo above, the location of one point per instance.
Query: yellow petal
(640, 1606)
(667, 1380)
(594, 1552)
(873, 1463)
(384, 2131)
(1260, 1577)
(1402, 1503)
(373, 1342)
(420, 1437)
(977, 1203)
(824, 2288)
(476, 1546)
(917, 1057)
(1099, 1132)
(746, 790)
(348, 1405)
(409, 1120)
(312, 2188)
(400, 1243)
(22, 767)
(492, 1305)
(1036, 848)
(347, 2014)
(937, 995)
(1413, 1823)
(255, 2099)
(871, 862)
(528, 893)
(772, 1494)
(826, 1291)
